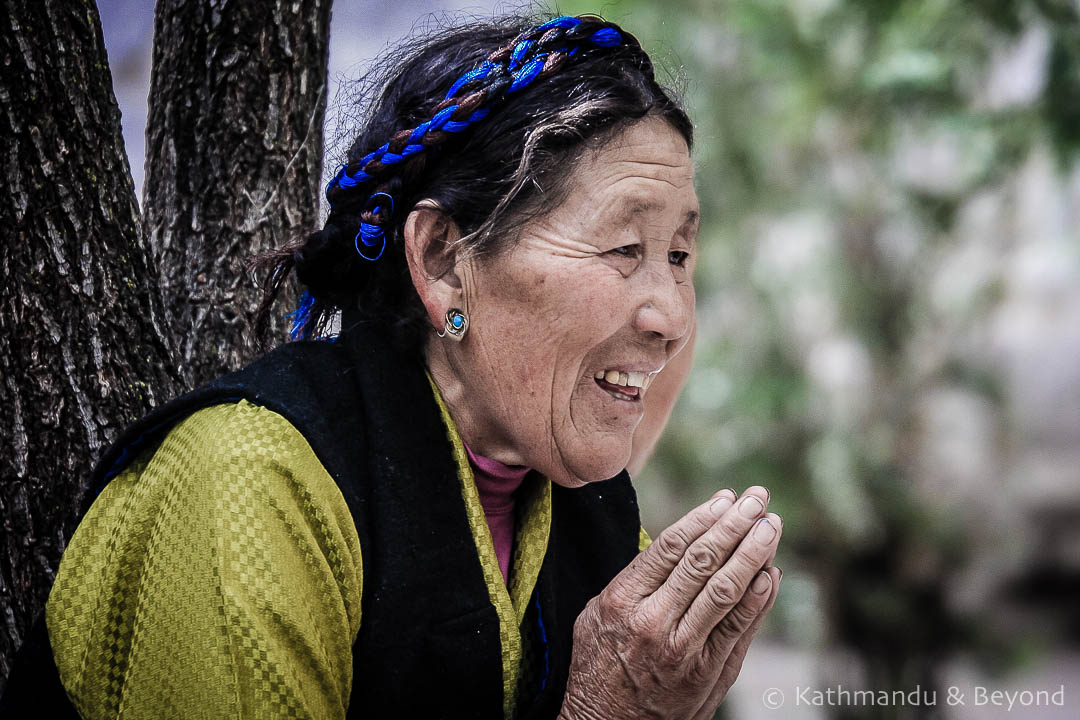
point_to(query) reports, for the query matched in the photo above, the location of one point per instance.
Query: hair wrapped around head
(531, 56)
(356, 261)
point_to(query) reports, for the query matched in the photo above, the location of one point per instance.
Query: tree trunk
(233, 160)
(86, 344)
(83, 350)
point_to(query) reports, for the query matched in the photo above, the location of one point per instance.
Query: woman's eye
(678, 257)
(627, 250)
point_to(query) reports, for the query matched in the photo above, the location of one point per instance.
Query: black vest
(429, 643)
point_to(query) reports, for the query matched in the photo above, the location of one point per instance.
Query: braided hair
(487, 120)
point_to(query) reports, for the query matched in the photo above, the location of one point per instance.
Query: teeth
(626, 379)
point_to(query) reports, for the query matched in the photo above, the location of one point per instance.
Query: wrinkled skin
(601, 282)
(604, 282)
(667, 637)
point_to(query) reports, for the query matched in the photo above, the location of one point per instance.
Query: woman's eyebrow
(629, 208)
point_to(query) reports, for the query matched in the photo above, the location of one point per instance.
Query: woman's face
(593, 301)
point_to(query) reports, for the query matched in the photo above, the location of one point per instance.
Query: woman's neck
(482, 434)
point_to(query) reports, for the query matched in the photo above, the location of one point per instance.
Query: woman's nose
(666, 306)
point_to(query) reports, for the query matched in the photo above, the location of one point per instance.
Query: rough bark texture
(233, 160)
(82, 347)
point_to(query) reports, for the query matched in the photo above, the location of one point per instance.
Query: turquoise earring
(456, 324)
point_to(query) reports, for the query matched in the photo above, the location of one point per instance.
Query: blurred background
(889, 325)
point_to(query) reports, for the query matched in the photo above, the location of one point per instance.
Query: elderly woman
(429, 516)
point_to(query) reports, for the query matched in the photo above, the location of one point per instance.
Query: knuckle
(603, 606)
(641, 624)
(743, 614)
(734, 524)
(702, 674)
(648, 630)
(703, 558)
(583, 631)
(611, 605)
(735, 623)
(722, 591)
(671, 544)
(668, 655)
(587, 616)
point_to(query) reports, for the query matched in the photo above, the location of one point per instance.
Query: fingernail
(720, 504)
(781, 575)
(750, 507)
(764, 532)
(768, 495)
(761, 582)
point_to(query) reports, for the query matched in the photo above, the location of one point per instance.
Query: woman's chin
(588, 470)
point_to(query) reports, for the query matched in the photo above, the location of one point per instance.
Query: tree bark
(233, 160)
(86, 343)
(83, 349)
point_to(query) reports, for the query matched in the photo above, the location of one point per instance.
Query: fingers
(652, 566)
(719, 648)
(718, 641)
(703, 557)
(720, 603)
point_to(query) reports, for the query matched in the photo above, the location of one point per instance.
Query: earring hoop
(456, 325)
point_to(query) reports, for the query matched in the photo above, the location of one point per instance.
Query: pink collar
(495, 481)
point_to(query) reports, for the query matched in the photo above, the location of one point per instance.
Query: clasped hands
(667, 637)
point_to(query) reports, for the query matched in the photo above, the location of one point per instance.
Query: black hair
(489, 179)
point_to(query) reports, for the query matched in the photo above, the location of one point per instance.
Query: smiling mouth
(626, 386)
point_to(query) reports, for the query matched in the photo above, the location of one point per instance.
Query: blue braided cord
(389, 199)
(519, 53)
(418, 133)
(606, 37)
(369, 234)
(392, 158)
(374, 154)
(441, 118)
(334, 180)
(477, 74)
(564, 22)
(527, 73)
(300, 317)
(348, 181)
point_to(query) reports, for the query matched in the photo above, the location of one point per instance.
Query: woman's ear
(430, 250)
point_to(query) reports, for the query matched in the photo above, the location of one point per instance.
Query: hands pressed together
(667, 637)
